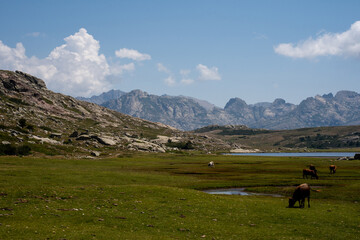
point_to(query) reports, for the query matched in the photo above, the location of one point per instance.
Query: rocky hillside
(187, 114)
(52, 123)
(304, 139)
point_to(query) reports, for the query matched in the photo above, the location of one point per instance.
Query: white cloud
(75, 68)
(162, 68)
(170, 81)
(259, 36)
(187, 81)
(33, 34)
(208, 73)
(15, 59)
(338, 44)
(132, 54)
(184, 72)
(120, 69)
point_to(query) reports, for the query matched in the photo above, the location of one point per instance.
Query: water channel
(237, 191)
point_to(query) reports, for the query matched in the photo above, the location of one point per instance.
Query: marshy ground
(156, 196)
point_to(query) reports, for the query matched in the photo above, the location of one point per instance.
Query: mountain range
(188, 113)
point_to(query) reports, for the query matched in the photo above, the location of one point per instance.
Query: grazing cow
(312, 167)
(332, 169)
(312, 173)
(211, 164)
(301, 192)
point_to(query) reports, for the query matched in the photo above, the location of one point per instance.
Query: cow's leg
(301, 202)
(308, 201)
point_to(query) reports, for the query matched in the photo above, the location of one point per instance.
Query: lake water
(298, 154)
(237, 191)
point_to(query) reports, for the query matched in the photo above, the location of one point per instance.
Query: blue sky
(211, 50)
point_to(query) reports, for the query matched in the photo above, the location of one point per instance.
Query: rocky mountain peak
(328, 96)
(104, 97)
(34, 80)
(138, 93)
(235, 102)
(278, 102)
(341, 95)
(20, 82)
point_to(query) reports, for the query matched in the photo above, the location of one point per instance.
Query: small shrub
(30, 127)
(181, 145)
(22, 122)
(23, 150)
(46, 128)
(48, 101)
(9, 149)
(18, 101)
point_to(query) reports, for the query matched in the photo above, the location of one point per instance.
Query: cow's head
(291, 202)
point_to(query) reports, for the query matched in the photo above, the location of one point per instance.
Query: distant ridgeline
(189, 113)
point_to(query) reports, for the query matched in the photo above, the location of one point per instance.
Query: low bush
(9, 149)
(181, 145)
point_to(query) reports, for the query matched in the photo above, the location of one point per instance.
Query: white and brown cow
(332, 169)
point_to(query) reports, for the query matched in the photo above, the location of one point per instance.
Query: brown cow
(301, 192)
(312, 167)
(312, 173)
(332, 169)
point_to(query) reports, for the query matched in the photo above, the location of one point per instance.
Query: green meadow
(157, 196)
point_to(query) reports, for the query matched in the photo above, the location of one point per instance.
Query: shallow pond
(237, 191)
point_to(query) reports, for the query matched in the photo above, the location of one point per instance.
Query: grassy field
(156, 196)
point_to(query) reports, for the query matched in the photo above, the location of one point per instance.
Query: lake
(298, 154)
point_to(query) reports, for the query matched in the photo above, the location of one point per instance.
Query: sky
(211, 50)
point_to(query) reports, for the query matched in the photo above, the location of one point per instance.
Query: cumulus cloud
(120, 69)
(170, 81)
(184, 72)
(132, 54)
(338, 44)
(15, 58)
(187, 81)
(75, 68)
(162, 68)
(208, 73)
